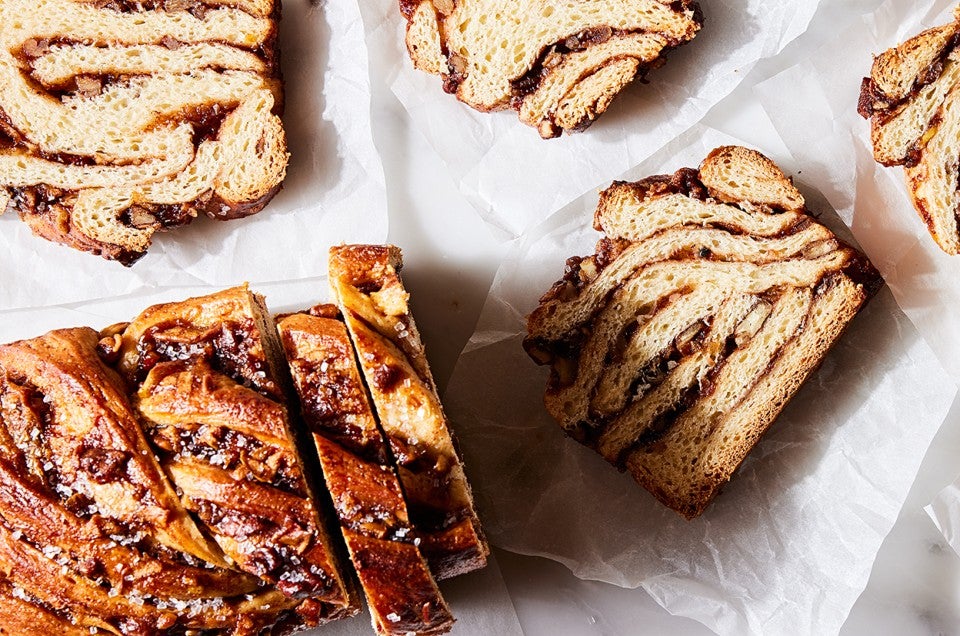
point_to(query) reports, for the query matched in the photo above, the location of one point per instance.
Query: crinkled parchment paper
(944, 510)
(334, 189)
(788, 546)
(516, 179)
(813, 105)
(479, 601)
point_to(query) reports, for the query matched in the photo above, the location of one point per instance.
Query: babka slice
(559, 64)
(912, 99)
(711, 297)
(121, 118)
(365, 282)
(401, 593)
(208, 383)
(93, 538)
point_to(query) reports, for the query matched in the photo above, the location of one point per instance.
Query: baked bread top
(711, 297)
(94, 538)
(120, 118)
(559, 64)
(207, 375)
(913, 101)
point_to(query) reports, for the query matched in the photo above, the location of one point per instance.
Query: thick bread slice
(401, 593)
(92, 535)
(711, 298)
(209, 384)
(121, 118)
(560, 64)
(911, 99)
(365, 283)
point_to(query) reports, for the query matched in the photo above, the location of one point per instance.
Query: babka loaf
(912, 99)
(93, 538)
(559, 64)
(119, 118)
(401, 593)
(365, 282)
(207, 376)
(154, 478)
(711, 297)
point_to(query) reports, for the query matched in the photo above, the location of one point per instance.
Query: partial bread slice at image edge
(123, 119)
(560, 65)
(912, 99)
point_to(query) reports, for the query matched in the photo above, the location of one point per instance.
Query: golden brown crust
(72, 409)
(20, 617)
(366, 284)
(212, 399)
(124, 452)
(401, 593)
(92, 535)
(709, 301)
(222, 349)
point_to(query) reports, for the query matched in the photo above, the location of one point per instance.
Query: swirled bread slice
(122, 118)
(559, 64)
(93, 538)
(401, 593)
(365, 282)
(912, 98)
(209, 385)
(711, 298)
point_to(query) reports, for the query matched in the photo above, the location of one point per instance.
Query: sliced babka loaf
(912, 98)
(401, 593)
(208, 380)
(559, 64)
(122, 118)
(711, 297)
(366, 284)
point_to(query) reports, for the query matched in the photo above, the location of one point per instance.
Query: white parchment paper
(479, 601)
(944, 510)
(813, 105)
(788, 546)
(334, 191)
(514, 178)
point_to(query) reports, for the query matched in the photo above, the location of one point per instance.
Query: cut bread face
(711, 297)
(209, 386)
(559, 64)
(120, 119)
(366, 285)
(401, 592)
(911, 98)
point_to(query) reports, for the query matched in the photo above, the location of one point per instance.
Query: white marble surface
(452, 257)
